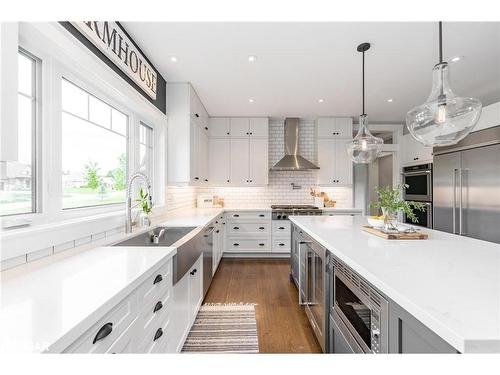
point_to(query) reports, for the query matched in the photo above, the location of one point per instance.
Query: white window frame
(68, 61)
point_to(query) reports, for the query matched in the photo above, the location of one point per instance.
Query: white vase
(144, 220)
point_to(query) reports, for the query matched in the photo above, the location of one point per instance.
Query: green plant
(391, 201)
(91, 175)
(144, 201)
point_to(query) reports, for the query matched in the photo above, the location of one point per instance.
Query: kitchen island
(448, 283)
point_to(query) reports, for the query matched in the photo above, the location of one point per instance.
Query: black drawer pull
(103, 332)
(236, 244)
(217, 231)
(262, 215)
(158, 306)
(196, 178)
(158, 278)
(281, 228)
(236, 228)
(193, 272)
(261, 244)
(281, 244)
(206, 127)
(262, 228)
(158, 334)
(206, 179)
(197, 115)
(236, 215)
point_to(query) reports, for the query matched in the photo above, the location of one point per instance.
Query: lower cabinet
(154, 318)
(408, 335)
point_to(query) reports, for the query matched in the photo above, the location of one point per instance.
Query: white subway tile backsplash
(279, 190)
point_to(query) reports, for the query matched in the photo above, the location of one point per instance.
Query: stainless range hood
(292, 161)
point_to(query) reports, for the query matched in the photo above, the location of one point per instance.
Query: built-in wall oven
(418, 179)
(313, 286)
(358, 314)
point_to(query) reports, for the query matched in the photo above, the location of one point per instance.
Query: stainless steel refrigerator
(466, 186)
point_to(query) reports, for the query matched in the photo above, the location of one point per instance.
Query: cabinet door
(259, 126)
(343, 163)
(240, 127)
(202, 154)
(240, 161)
(194, 153)
(259, 165)
(326, 127)
(326, 162)
(343, 127)
(195, 287)
(219, 127)
(219, 161)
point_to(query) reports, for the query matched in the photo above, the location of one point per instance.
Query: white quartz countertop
(51, 302)
(448, 282)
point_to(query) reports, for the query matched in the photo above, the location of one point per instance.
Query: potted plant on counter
(391, 202)
(145, 202)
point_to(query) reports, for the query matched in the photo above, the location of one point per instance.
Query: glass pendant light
(364, 147)
(445, 118)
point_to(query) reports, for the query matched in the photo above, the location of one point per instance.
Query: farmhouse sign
(110, 42)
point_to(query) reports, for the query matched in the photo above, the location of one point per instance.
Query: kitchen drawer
(118, 320)
(235, 228)
(156, 285)
(281, 228)
(281, 245)
(237, 245)
(156, 339)
(125, 343)
(239, 216)
(149, 317)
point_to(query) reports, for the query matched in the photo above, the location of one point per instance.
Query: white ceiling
(298, 63)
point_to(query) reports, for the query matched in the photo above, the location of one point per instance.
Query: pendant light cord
(363, 75)
(440, 42)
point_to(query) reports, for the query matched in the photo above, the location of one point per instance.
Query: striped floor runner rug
(223, 328)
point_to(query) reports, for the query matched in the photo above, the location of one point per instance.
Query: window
(17, 167)
(94, 150)
(146, 150)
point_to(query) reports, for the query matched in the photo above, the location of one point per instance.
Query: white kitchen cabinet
(259, 127)
(413, 152)
(195, 287)
(240, 149)
(240, 126)
(248, 232)
(218, 242)
(219, 161)
(336, 127)
(187, 136)
(258, 161)
(219, 127)
(334, 162)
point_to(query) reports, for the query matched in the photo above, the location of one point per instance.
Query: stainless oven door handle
(415, 173)
(301, 301)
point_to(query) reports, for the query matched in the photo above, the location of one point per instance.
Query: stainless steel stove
(282, 212)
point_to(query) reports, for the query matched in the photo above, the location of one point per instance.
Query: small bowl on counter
(375, 221)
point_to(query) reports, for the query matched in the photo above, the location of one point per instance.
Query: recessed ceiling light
(455, 59)
(252, 58)
(173, 59)
(321, 100)
(390, 100)
(251, 100)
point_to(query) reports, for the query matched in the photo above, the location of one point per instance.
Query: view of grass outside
(93, 150)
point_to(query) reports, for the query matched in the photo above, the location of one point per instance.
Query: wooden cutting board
(396, 236)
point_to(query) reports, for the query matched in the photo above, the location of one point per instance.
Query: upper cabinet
(238, 151)
(333, 133)
(413, 152)
(187, 136)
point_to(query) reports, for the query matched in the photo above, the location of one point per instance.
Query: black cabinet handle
(206, 179)
(158, 306)
(158, 334)
(248, 133)
(193, 272)
(251, 133)
(103, 332)
(197, 115)
(206, 127)
(216, 231)
(227, 133)
(262, 228)
(281, 244)
(227, 180)
(236, 244)
(158, 278)
(251, 180)
(196, 178)
(261, 215)
(281, 228)
(236, 215)
(236, 228)
(261, 244)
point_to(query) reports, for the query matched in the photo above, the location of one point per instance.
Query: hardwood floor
(282, 324)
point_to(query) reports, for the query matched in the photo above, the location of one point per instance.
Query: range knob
(278, 216)
(284, 217)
